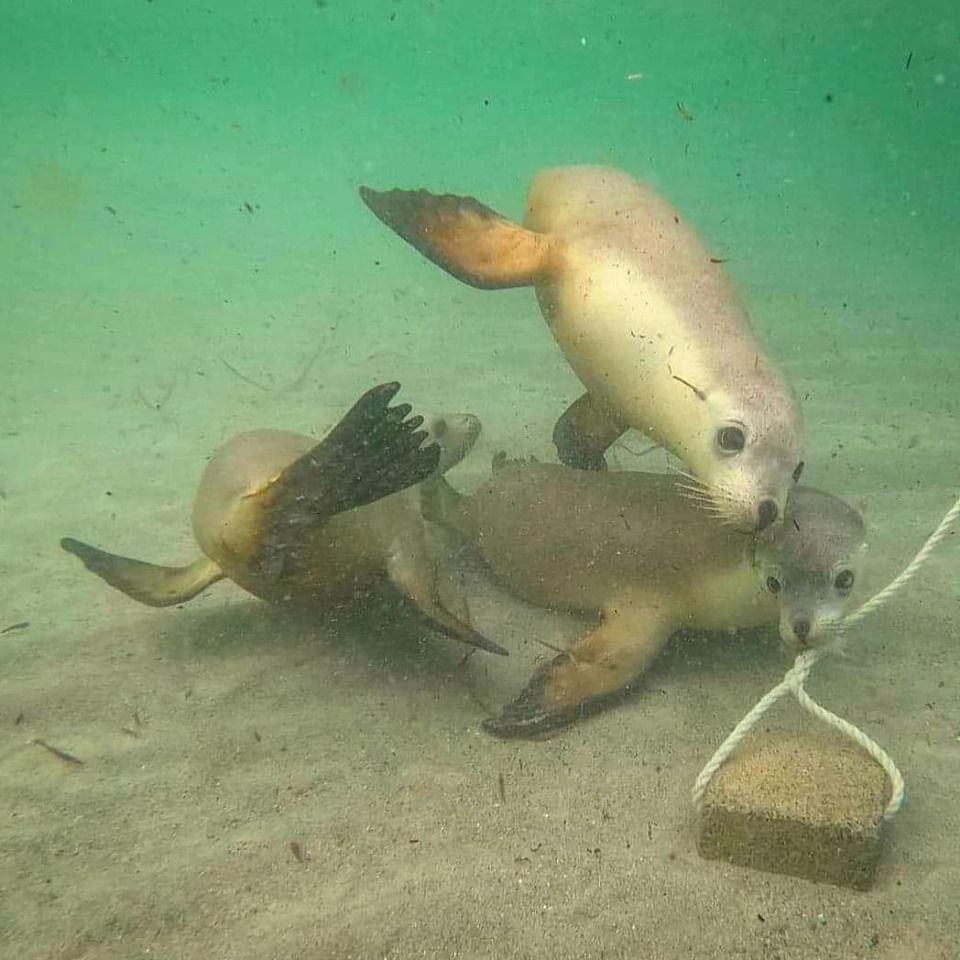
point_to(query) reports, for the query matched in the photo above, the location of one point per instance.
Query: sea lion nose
(767, 513)
(801, 629)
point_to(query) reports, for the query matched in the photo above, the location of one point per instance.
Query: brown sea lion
(293, 520)
(647, 318)
(629, 548)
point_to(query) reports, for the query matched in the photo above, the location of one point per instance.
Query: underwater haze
(185, 256)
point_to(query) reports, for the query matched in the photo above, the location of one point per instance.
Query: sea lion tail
(470, 241)
(148, 583)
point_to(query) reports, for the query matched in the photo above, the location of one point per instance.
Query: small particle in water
(828, 98)
(685, 114)
(299, 851)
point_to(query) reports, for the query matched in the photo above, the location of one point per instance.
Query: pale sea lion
(647, 318)
(627, 547)
(292, 520)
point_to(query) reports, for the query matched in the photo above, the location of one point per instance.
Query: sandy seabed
(215, 735)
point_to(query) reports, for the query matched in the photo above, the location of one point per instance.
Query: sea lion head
(748, 454)
(455, 433)
(812, 564)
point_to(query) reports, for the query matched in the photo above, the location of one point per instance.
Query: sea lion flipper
(584, 432)
(456, 629)
(415, 575)
(467, 239)
(529, 715)
(374, 451)
(595, 673)
(149, 583)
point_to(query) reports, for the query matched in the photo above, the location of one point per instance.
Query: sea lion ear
(470, 241)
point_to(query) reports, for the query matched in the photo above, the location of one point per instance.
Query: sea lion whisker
(706, 506)
(702, 501)
(690, 481)
(715, 496)
(687, 490)
(686, 474)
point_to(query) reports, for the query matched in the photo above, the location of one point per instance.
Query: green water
(184, 256)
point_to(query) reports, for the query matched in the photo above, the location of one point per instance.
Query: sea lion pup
(647, 318)
(292, 520)
(629, 548)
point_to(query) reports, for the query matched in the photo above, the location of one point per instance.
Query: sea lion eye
(731, 439)
(843, 583)
(797, 470)
(773, 585)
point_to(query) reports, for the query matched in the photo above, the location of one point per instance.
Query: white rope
(909, 571)
(796, 676)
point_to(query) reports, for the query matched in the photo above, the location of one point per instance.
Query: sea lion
(647, 318)
(292, 520)
(629, 548)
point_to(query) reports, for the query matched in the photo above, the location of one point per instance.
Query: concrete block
(805, 804)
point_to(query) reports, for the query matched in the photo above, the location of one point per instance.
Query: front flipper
(584, 432)
(149, 583)
(371, 453)
(413, 572)
(470, 241)
(591, 676)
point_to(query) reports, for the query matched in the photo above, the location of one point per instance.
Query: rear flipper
(584, 432)
(597, 670)
(470, 241)
(371, 453)
(149, 583)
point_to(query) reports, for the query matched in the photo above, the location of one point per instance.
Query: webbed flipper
(592, 675)
(470, 241)
(584, 432)
(374, 451)
(150, 583)
(414, 574)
